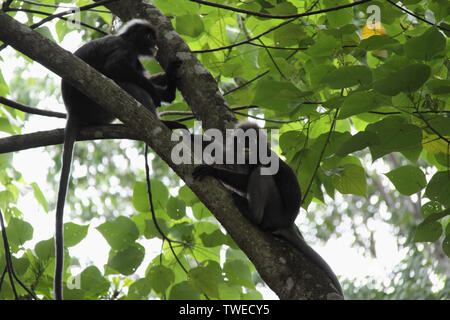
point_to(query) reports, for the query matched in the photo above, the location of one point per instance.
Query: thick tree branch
(52, 137)
(282, 267)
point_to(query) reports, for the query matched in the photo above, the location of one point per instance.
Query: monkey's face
(146, 43)
(142, 36)
(249, 145)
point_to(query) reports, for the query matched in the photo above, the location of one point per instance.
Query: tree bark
(283, 268)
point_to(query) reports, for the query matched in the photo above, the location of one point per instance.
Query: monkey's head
(141, 35)
(251, 141)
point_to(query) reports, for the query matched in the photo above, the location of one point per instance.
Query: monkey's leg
(238, 181)
(242, 204)
(264, 200)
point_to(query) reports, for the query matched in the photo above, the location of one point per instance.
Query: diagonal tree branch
(277, 263)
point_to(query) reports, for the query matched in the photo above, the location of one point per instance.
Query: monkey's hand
(202, 171)
(171, 72)
(174, 65)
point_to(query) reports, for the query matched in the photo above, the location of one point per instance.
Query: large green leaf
(160, 278)
(18, 232)
(395, 135)
(277, 95)
(237, 271)
(358, 142)
(438, 188)
(74, 233)
(176, 208)
(128, 260)
(190, 25)
(120, 233)
(424, 47)
(359, 102)
(183, 291)
(348, 77)
(407, 179)
(351, 180)
(204, 279)
(407, 79)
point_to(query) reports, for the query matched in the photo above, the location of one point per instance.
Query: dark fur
(272, 202)
(117, 58)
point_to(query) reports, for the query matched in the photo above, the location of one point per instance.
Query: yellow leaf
(373, 29)
(433, 144)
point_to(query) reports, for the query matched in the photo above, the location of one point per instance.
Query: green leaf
(74, 233)
(438, 188)
(337, 18)
(378, 42)
(430, 208)
(120, 233)
(40, 196)
(176, 208)
(407, 79)
(351, 180)
(348, 77)
(238, 272)
(394, 135)
(128, 260)
(407, 179)
(213, 239)
(18, 232)
(160, 194)
(439, 86)
(45, 249)
(324, 46)
(359, 102)
(276, 95)
(160, 278)
(446, 245)
(200, 211)
(93, 282)
(139, 290)
(151, 231)
(427, 45)
(358, 142)
(204, 280)
(190, 25)
(185, 193)
(5, 126)
(182, 291)
(428, 232)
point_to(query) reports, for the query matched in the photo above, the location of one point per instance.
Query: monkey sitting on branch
(270, 198)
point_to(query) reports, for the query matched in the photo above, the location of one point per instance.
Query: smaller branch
(152, 209)
(9, 265)
(31, 110)
(333, 123)
(33, 26)
(54, 137)
(64, 13)
(417, 17)
(272, 16)
(60, 6)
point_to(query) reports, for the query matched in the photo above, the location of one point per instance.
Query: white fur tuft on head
(127, 25)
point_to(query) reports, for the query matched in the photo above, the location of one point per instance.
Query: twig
(272, 16)
(31, 110)
(333, 123)
(9, 265)
(417, 17)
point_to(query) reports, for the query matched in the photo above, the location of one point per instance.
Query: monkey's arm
(166, 82)
(238, 181)
(287, 183)
(121, 68)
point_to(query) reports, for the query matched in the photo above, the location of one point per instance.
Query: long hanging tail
(70, 135)
(293, 236)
